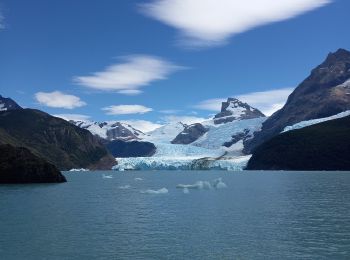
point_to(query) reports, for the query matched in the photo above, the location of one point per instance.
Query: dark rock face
(54, 139)
(324, 93)
(123, 149)
(190, 134)
(19, 165)
(245, 135)
(324, 146)
(8, 104)
(234, 109)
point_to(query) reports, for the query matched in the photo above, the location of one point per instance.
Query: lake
(128, 215)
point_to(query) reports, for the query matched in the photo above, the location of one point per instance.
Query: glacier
(306, 123)
(219, 134)
(182, 163)
(206, 153)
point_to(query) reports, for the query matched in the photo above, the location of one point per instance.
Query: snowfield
(219, 134)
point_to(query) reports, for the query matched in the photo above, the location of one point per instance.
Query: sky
(157, 61)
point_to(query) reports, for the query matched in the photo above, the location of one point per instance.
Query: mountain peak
(111, 130)
(324, 93)
(8, 104)
(234, 109)
(339, 54)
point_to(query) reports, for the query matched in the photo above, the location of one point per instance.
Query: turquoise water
(260, 215)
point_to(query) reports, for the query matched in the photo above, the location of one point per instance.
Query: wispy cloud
(183, 119)
(2, 21)
(267, 101)
(58, 99)
(130, 76)
(75, 117)
(126, 109)
(142, 125)
(213, 22)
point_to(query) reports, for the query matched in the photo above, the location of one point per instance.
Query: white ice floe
(138, 179)
(104, 176)
(160, 191)
(125, 187)
(79, 170)
(203, 185)
(200, 185)
(219, 184)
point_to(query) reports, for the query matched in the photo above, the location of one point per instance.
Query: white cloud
(267, 101)
(213, 22)
(2, 25)
(126, 109)
(130, 92)
(58, 99)
(127, 78)
(183, 119)
(75, 117)
(213, 104)
(142, 125)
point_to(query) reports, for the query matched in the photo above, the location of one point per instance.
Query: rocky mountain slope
(54, 139)
(325, 92)
(323, 146)
(190, 134)
(234, 109)
(19, 165)
(8, 104)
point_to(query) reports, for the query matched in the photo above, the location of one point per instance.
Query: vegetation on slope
(324, 146)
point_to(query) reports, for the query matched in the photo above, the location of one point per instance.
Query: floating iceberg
(219, 184)
(160, 191)
(79, 170)
(203, 185)
(200, 185)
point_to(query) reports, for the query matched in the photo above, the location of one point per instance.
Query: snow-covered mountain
(234, 109)
(8, 104)
(111, 130)
(165, 133)
(217, 143)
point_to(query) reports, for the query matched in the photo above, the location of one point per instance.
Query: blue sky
(164, 59)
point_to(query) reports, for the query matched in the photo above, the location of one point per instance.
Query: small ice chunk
(219, 184)
(138, 179)
(197, 185)
(104, 176)
(124, 187)
(160, 191)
